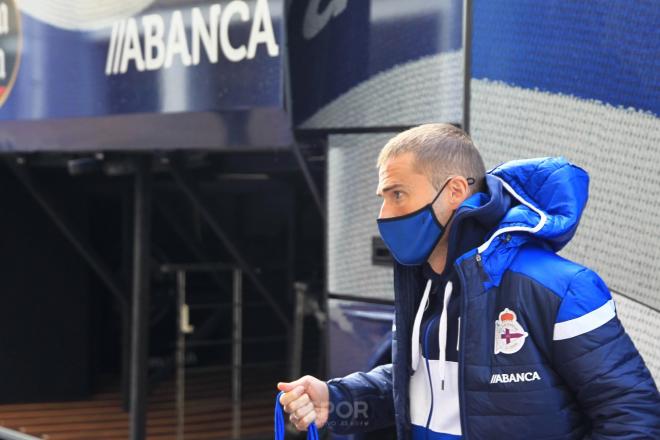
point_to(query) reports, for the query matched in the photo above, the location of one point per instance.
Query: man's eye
(397, 195)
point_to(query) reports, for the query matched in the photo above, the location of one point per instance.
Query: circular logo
(10, 47)
(509, 334)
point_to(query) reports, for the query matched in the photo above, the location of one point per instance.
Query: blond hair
(439, 151)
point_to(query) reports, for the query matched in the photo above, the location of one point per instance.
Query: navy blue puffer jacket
(576, 373)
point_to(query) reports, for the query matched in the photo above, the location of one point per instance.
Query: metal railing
(10, 434)
(182, 271)
(184, 328)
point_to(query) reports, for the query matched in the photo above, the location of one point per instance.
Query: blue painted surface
(603, 50)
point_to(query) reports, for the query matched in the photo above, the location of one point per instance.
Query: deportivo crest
(509, 334)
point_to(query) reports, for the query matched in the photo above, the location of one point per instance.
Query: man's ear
(458, 190)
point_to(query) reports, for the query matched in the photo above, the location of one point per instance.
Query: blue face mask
(412, 237)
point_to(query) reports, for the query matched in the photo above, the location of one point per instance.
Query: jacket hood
(538, 199)
(552, 193)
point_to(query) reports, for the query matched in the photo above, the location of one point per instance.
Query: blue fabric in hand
(312, 432)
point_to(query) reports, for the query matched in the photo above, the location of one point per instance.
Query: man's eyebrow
(390, 188)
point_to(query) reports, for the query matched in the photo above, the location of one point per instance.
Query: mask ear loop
(470, 181)
(441, 189)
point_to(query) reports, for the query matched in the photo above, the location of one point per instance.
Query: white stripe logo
(585, 323)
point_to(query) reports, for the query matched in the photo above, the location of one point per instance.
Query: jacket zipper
(482, 272)
(428, 371)
(461, 353)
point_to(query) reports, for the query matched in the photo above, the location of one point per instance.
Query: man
(495, 335)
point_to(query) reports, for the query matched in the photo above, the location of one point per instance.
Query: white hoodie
(434, 406)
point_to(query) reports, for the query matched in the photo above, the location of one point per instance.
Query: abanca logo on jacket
(527, 376)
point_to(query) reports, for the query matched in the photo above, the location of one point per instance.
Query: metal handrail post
(297, 330)
(237, 352)
(183, 328)
(180, 355)
(140, 298)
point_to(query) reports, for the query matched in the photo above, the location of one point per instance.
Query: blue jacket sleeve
(600, 364)
(361, 402)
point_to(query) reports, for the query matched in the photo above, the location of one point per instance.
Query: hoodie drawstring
(442, 329)
(418, 322)
(442, 333)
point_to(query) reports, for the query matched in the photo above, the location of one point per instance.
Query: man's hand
(305, 400)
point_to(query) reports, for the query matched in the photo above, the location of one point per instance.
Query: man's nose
(380, 213)
(384, 211)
